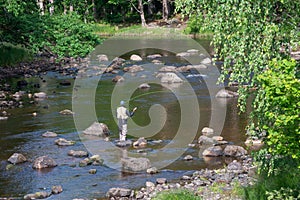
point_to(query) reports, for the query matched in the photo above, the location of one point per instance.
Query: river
(22, 131)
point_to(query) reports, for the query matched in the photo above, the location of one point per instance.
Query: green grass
(11, 54)
(104, 29)
(176, 195)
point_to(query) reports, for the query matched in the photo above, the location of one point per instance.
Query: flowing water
(22, 131)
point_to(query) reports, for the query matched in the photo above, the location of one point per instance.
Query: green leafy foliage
(62, 35)
(246, 33)
(277, 108)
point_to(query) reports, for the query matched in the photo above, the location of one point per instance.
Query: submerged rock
(44, 162)
(135, 164)
(97, 129)
(17, 158)
(40, 95)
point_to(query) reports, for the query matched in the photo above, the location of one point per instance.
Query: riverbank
(225, 183)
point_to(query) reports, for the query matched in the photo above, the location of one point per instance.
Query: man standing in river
(122, 115)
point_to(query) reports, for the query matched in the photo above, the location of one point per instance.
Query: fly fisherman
(122, 115)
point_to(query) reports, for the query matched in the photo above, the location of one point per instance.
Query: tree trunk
(51, 8)
(150, 7)
(165, 9)
(141, 10)
(40, 4)
(94, 10)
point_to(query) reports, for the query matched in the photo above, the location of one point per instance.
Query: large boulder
(234, 150)
(169, 78)
(97, 129)
(206, 61)
(135, 57)
(64, 142)
(17, 158)
(213, 151)
(223, 93)
(56, 189)
(44, 162)
(119, 193)
(136, 164)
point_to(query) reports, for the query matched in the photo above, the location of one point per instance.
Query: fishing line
(138, 96)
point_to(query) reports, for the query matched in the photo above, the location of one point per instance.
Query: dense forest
(65, 28)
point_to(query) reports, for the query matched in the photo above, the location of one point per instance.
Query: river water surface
(22, 131)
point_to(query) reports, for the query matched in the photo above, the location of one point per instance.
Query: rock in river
(17, 158)
(135, 57)
(141, 142)
(169, 78)
(119, 193)
(64, 142)
(37, 195)
(213, 151)
(234, 150)
(43, 162)
(97, 129)
(56, 189)
(66, 112)
(77, 154)
(135, 164)
(40, 95)
(49, 134)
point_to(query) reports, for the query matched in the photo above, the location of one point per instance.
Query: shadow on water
(22, 133)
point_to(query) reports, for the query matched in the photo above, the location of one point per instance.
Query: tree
(247, 35)
(165, 9)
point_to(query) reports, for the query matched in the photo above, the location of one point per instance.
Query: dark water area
(22, 131)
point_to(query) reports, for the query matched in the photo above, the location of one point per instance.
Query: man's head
(122, 103)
